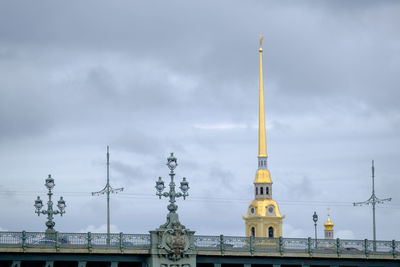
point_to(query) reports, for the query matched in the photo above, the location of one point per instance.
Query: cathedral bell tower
(263, 217)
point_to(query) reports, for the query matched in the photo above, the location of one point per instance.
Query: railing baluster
(221, 243)
(57, 244)
(394, 248)
(24, 240)
(338, 247)
(89, 239)
(280, 242)
(251, 244)
(121, 242)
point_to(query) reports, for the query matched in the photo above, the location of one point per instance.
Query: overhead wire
(197, 199)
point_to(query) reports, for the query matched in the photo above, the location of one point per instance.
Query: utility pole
(107, 190)
(373, 200)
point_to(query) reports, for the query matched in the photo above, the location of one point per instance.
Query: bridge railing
(10, 239)
(73, 240)
(201, 242)
(296, 245)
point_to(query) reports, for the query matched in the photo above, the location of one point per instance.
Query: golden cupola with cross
(263, 217)
(328, 225)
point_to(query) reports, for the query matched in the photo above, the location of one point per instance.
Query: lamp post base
(172, 219)
(50, 234)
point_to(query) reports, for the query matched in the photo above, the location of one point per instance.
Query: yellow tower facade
(263, 217)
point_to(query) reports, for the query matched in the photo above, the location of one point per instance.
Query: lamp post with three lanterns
(50, 212)
(172, 194)
(172, 241)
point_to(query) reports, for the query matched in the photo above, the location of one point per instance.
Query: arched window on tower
(253, 232)
(267, 190)
(270, 232)
(261, 191)
(256, 190)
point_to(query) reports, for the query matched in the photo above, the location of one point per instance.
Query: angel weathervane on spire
(261, 39)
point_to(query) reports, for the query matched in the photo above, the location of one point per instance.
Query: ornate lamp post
(315, 219)
(50, 212)
(172, 242)
(172, 194)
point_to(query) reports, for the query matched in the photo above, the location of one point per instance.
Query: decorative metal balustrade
(223, 244)
(296, 245)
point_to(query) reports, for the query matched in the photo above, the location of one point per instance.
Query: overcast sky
(153, 77)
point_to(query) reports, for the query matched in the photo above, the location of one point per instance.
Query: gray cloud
(127, 173)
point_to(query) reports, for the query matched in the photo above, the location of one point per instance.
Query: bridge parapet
(77, 242)
(204, 245)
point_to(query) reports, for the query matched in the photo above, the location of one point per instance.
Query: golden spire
(262, 140)
(263, 217)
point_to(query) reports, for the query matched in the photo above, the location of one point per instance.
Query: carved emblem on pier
(175, 241)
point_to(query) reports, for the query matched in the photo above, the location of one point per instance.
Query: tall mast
(373, 200)
(107, 190)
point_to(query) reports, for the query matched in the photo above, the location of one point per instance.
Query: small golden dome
(328, 224)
